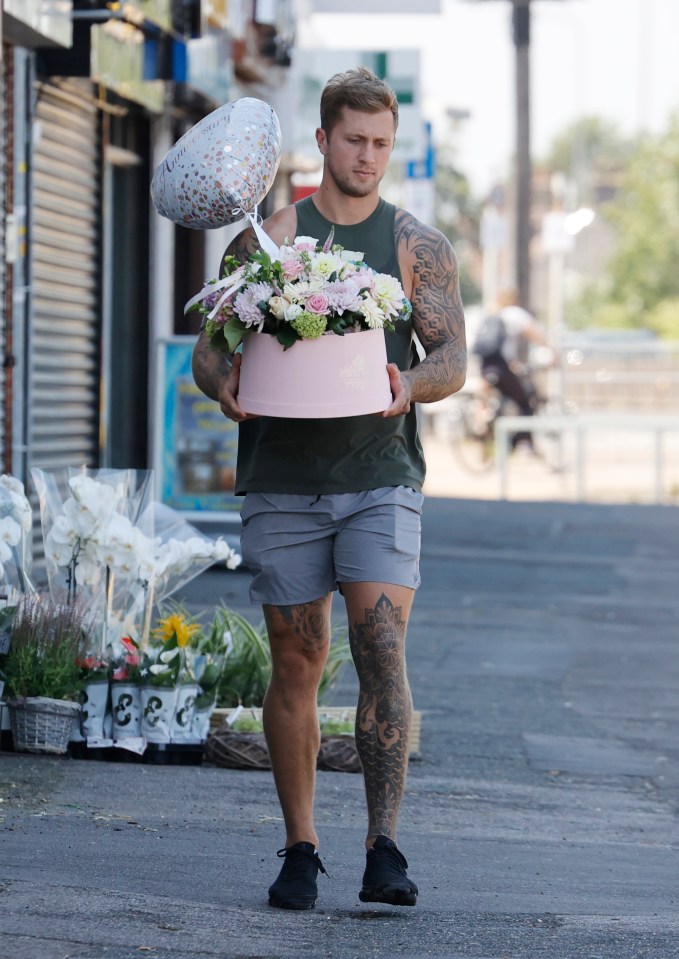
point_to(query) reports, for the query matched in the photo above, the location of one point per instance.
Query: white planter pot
(181, 730)
(157, 710)
(94, 701)
(125, 710)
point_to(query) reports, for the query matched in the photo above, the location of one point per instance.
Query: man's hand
(400, 391)
(228, 393)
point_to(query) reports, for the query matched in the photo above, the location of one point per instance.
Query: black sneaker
(385, 879)
(296, 887)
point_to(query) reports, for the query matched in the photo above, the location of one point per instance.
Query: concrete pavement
(540, 820)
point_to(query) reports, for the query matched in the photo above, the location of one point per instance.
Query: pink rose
(318, 303)
(292, 268)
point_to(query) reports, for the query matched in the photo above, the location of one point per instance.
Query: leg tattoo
(309, 621)
(384, 711)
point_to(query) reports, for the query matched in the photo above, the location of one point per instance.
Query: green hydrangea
(309, 325)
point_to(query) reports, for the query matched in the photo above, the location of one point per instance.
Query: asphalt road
(541, 815)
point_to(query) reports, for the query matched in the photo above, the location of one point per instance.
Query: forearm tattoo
(209, 366)
(438, 315)
(384, 713)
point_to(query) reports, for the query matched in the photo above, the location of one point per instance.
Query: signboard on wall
(195, 444)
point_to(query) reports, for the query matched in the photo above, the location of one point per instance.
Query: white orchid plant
(105, 543)
(16, 523)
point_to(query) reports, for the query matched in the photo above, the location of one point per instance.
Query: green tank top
(346, 454)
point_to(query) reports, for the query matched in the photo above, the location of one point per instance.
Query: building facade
(92, 95)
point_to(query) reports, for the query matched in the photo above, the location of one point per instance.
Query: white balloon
(221, 168)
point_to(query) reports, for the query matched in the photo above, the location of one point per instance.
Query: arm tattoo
(384, 711)
(241, 246)
(438, 316)
(208, 365)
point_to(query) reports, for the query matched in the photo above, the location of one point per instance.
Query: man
(501, 344)
(338, 502)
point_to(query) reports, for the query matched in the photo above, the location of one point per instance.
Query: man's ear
(322, 140)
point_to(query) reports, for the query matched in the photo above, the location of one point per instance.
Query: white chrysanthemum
(388, 293)
(323, 265)
(374, 316)
(296, 292)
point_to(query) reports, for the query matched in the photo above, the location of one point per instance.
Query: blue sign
(196, 446)
(425, 168)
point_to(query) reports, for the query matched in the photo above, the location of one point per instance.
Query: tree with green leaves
(640, 289)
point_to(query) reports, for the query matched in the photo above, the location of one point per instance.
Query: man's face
(358, 149)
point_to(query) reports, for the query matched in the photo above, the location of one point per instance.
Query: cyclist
(502, 344)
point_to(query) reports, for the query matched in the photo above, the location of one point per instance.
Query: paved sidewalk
(540, 820)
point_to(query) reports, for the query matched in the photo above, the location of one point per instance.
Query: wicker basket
(338, 754)
(41, 725)
(234, 750)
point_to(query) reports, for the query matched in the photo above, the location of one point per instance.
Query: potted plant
(42, 673)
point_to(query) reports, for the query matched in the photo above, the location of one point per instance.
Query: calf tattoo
(384, 711)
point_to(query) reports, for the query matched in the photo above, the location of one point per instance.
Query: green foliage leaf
(286, 336)
(233, 334)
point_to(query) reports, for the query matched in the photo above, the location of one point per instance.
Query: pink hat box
(313, 379)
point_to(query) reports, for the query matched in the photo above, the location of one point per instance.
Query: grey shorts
(301, 547)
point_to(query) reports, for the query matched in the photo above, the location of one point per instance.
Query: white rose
(293, 311)
(277, 306)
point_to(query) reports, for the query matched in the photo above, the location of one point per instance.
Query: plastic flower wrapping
(16, 524)
(301, 291)
(109, 547)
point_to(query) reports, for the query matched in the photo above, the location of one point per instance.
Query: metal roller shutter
(64, 337)
(3, 257)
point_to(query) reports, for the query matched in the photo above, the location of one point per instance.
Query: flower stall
(113, 557)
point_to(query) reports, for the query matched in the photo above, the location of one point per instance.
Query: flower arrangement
(307, 290)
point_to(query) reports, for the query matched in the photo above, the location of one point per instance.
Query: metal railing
(657, 425)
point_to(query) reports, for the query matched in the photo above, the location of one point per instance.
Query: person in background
(337, 503)
(502, 345)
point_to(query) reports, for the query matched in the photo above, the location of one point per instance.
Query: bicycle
(472, 415)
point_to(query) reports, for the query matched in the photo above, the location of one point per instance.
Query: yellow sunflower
(175, 625)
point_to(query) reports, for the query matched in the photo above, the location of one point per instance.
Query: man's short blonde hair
(358, 89)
